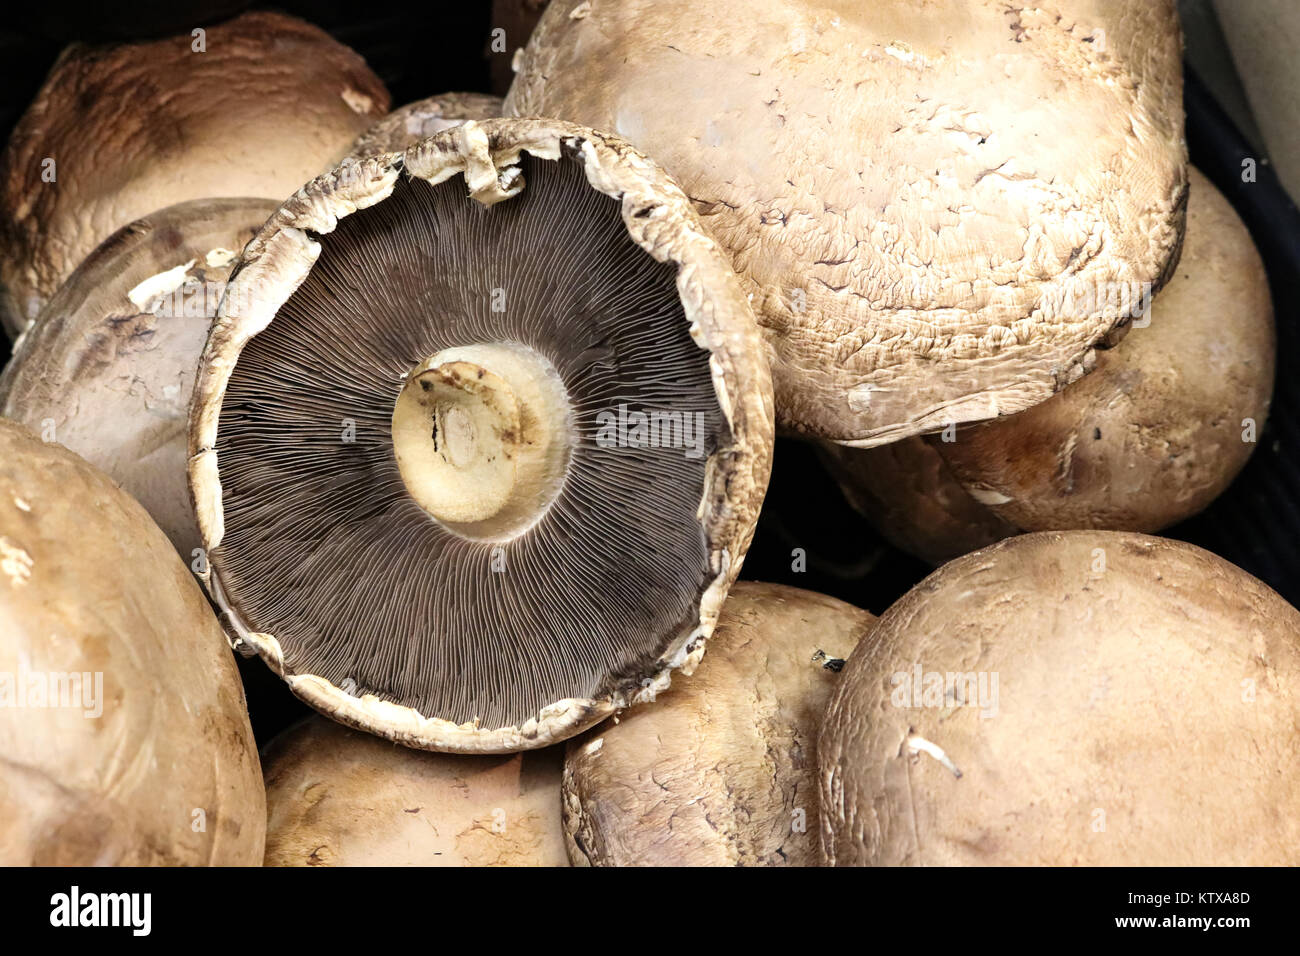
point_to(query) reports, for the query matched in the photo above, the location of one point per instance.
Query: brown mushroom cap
(480, 565)
(1156, 432)
(146, 756)
(338, 797)
(721, 771)
(136, 127)
(1168, 417)
(908, 492)
(1070, 698)
(903, 186)
(108, 367)
(406, 126)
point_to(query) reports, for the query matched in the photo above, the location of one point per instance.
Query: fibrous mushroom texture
(124, 739)
(404, 127)
(339, 797)
(108, 368)
(252, 107)
(1155, 433)
(474, 471)
(722, 770)
(904, 187)
(1070, 698)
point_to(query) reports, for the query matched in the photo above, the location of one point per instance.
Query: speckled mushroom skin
(721, 771)
(407, 125)
(135, 127)
(1153, 435)
(1146, 714)
(900, 184)
(659, 219)
(110, 377)
(339, 797)
(88, 584)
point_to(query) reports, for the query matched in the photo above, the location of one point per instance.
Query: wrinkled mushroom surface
(409, 460)
(339, 797)
(906, 188)
(117, 132)
(407, 125)
(1070, 698)
(1157, 431)
(721, 771)
(124, 738)
(108, 368)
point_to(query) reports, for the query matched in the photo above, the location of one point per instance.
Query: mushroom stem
(482, 437)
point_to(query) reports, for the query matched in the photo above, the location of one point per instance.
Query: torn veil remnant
(404, 458)
(903, 186)
(407, 125)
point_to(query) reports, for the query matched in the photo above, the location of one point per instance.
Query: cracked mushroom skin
(901, 185)
(124, 738)
(123, 130)
(406, 126)
(722, 770)
(1094, 698)
(108, 368)
(415, 459)
(339, 797)
(1156, 432)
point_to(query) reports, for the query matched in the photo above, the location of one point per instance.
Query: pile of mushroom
(464, 415)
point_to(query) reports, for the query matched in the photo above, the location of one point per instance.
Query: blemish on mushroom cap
(700, 293)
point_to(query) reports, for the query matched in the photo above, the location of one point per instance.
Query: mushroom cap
(721, 771)
(108, 367)
(1156, 432)
(910, 495)
(1167, 418)
(1135, 704)
(148, 758)
(375, 612)
(132, 128)
(338, 797)
(901, 185)
(407, 125)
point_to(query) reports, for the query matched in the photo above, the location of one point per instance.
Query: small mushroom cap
(124, 737)
(339, 797)
(1156, 432)
(900, 184)
(1070, 698)
(578, 256)
(1168, 417)
(108, 368)
(269, 102)
(910, 495)
(721, 771)
(406, 126)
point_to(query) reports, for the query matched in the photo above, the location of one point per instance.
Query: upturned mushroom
(1070, 698)
(108, 367)
(124, 739)
(475, 471)
(252, 107)
(722, 770)
(339, 797)
(1155, 433)
(904, 187)
(406, 126)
